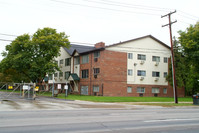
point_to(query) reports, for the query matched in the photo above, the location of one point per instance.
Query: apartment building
(136, 67)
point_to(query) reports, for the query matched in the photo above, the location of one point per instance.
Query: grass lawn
(123, 99)
(163, 100)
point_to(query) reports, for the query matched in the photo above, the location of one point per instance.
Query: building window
(155, 74)
(61, 61)
(56, 62)
(141, 57)
(165, 90)
(84, 90)
(67, 74)
(141, 73)
(60, 74)
(165, 74)
(129, 89)
(156, 58)
(155, 90)
(67, 61)
(96, 54)
(165, 59)
(130, 55)
(55, 75)
(85, 74)
(96, 71)
(85, 59)
(95, 88)
(50, 76)
(130, 72)
(140, 90)
(76, 60)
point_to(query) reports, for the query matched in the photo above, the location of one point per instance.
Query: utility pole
(172, 53)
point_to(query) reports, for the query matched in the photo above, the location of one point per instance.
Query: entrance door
(84, 90)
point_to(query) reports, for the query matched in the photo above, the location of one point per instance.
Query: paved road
(145, 120)
(61, 116)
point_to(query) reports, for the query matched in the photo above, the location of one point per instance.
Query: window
(130, 55)
(129, 89)
(95, 88)
(96, 54)
(155, 74)
(165, 59)
(76, 60)
(67, 74)
(61, 61)
(165, 90)
(67, 61)
(85, 74)
(155, 90)
(141, 73)
(156, 58)
(60, 74)
(130, 72)
(85, 59)
(141, 57)
(165, 74)
(55, 75)
(140, 90)
(96, 71)
(56, 62)
(50, 76)
(84, 90)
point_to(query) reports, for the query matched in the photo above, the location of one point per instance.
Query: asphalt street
(148, 120)
(49, 115)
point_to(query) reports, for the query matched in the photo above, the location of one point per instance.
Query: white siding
(149, 47)
(63, 68)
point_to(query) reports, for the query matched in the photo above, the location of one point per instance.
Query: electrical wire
(64, 2)
(129, 6)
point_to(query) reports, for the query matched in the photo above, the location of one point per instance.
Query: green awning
(73, 76)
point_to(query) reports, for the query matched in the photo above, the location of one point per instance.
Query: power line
(8, 35)
(127, 49)
(40, 39)
(128, 5)
(189, 15)
(64, 2)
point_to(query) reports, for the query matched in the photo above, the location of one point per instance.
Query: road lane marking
(166, 120)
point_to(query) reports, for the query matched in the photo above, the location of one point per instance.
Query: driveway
(15, 102)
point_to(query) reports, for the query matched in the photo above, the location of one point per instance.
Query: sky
(93, 21)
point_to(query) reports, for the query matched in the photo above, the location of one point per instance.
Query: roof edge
(152, 37)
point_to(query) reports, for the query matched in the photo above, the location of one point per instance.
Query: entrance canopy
(73, 77)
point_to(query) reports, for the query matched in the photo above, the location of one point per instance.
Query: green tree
(181, 70)
(33, 57)
(189, 40)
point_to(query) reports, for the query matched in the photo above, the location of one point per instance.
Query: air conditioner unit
(157, 63)
(55, 79)
(95, 59)
(156, 79)
(60, 79)
(61, 65)
(142, 62)
(141, 78)
(95, 76)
